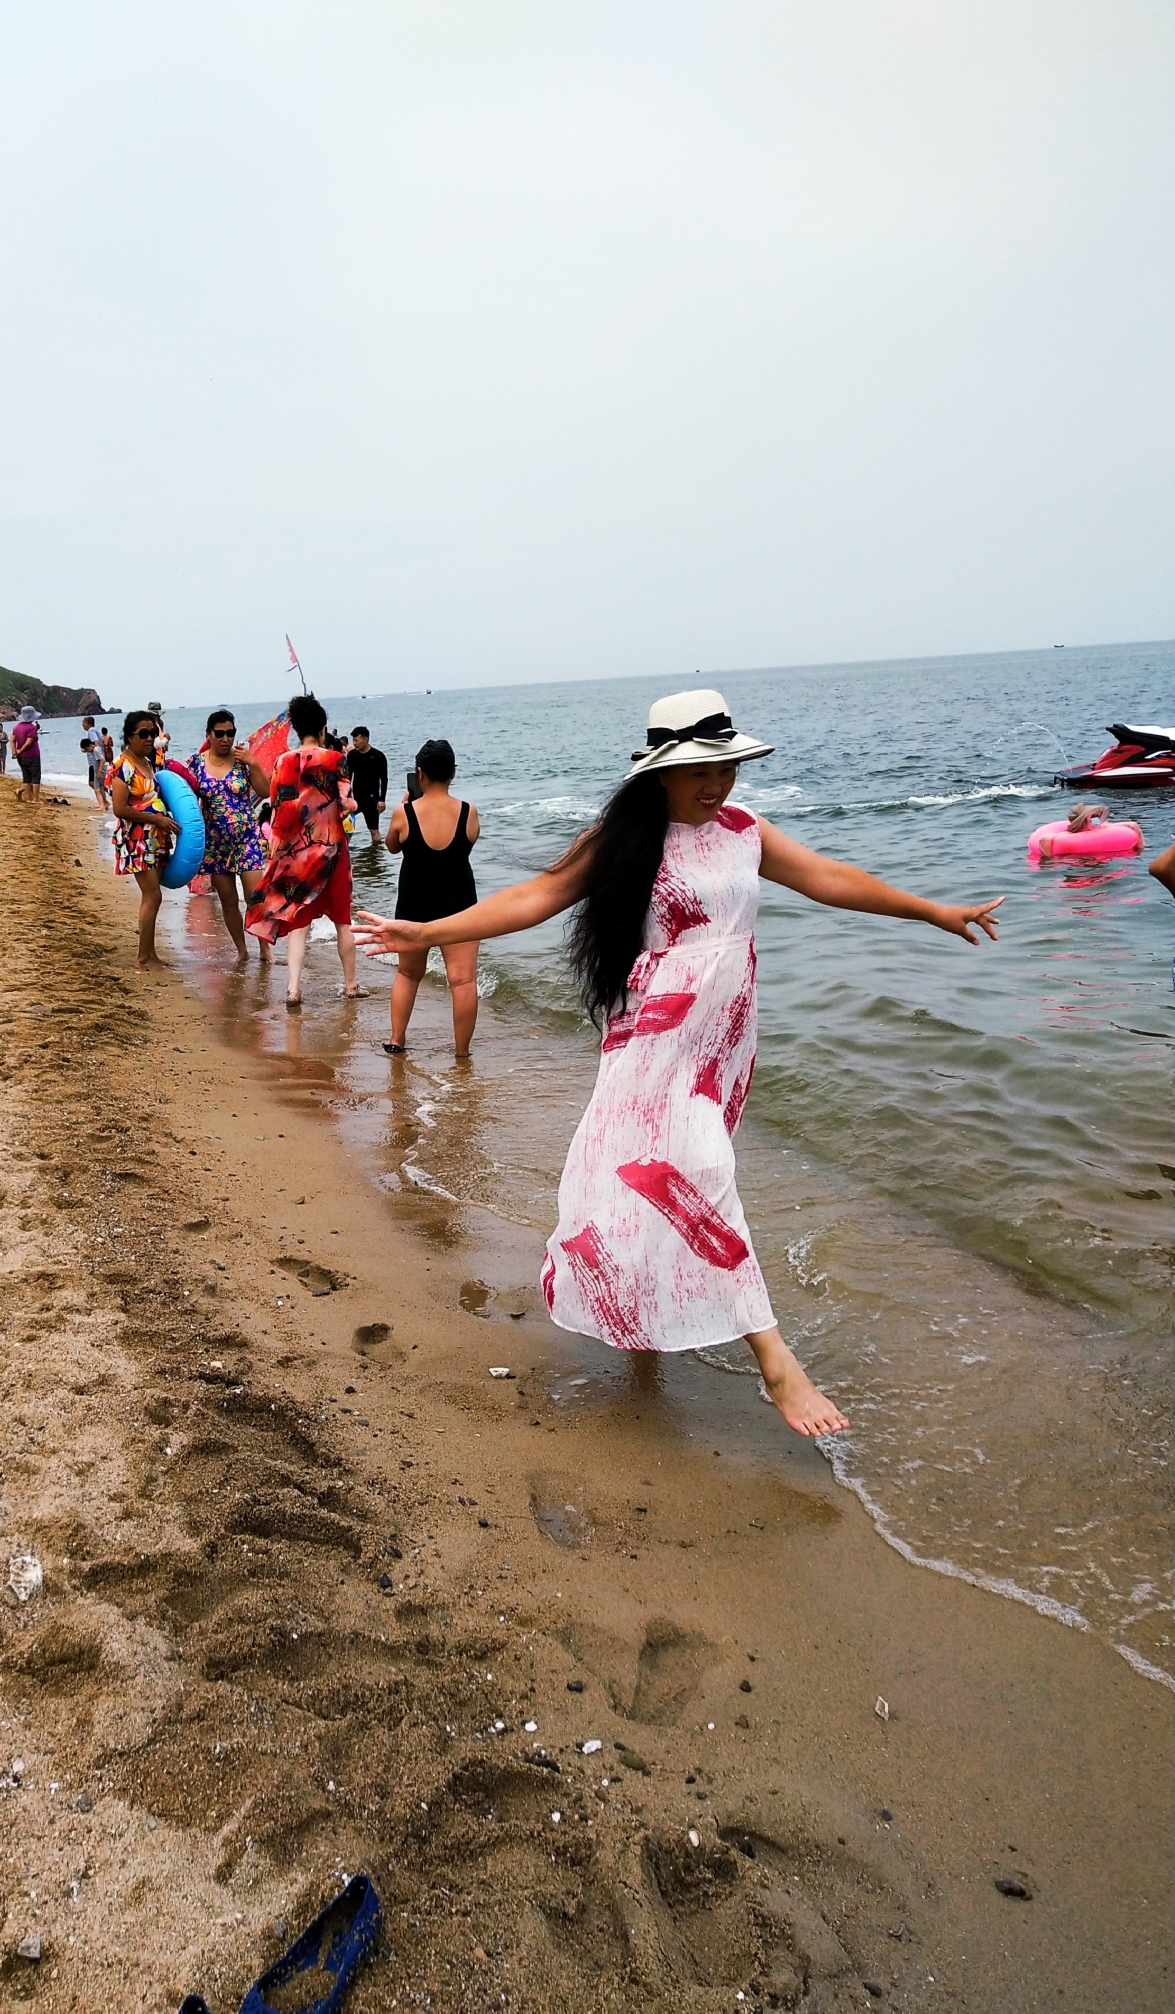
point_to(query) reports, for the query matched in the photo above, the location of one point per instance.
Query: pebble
(83, 1803)
(1019, 1891)
(740, 1720)
(575, 1685)
(744, 1685)
(29, 1947)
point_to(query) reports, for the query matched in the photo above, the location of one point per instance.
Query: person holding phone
(436, 834)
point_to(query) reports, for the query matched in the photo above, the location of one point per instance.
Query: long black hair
(623, 852)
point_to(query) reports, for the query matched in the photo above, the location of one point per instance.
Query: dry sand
(309, 1570)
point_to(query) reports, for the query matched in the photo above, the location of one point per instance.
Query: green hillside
(17, 690)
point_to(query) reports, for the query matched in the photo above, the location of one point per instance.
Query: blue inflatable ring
(187, 854)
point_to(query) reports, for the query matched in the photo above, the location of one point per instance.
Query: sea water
(956, 1162)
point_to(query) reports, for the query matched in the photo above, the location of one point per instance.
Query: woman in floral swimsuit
(228, 779)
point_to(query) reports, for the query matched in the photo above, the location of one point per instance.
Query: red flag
(293, 655)
(268, 742)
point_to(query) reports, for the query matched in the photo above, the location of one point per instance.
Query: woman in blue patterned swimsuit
(228, 779)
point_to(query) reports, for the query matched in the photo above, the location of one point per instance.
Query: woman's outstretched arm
(839, 885)
(517, 908)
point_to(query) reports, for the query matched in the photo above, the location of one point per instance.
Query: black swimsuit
(435, 880)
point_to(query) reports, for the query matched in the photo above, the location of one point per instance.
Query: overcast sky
(496, 342)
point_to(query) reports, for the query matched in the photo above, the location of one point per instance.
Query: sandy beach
(310, 1570)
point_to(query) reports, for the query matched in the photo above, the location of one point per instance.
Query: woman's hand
(383, 933)
(956, 920)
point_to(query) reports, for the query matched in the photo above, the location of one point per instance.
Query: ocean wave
(1143, 1666)
(834, 1453)
(554, 810)
(421, 1179)
(764, 797)
(987, 794)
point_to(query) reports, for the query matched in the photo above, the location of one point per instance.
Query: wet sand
(309, 1569)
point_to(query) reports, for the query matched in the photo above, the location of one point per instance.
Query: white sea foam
(834, 1452)
(1142, 1667)
(421, 1179)
(1040, 790)
(984, 795)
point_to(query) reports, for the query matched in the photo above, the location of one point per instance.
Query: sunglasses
(222, 731)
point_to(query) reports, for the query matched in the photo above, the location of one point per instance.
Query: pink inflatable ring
(1056, 842)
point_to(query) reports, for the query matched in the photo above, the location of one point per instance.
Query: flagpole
(294, 661)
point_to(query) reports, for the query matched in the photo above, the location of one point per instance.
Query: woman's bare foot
(789, 1388)
(152, 964)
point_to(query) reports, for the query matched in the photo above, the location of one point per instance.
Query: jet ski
(1143, 759)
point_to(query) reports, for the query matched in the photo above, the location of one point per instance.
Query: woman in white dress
(652, 1250)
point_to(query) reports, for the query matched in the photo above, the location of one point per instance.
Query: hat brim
(680, 754)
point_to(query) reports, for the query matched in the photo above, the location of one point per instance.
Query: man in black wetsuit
(367, 768)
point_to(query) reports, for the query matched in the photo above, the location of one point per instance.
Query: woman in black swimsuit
(436, 835)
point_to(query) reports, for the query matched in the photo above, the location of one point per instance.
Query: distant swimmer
(436, 835)
(652, 1249)
(1088, 818)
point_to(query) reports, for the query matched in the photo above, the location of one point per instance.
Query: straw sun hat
(693, 727)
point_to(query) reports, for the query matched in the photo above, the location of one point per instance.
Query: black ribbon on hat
(715, 727)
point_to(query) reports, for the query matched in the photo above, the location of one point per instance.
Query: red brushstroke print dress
(652, 1251)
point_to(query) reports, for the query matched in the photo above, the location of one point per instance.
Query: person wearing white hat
(652, 1250)
(26, 746)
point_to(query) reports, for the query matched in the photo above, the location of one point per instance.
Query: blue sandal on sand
(330, 1950)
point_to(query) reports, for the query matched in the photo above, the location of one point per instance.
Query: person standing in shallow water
(436, 835)
(367, 768)
(309, 870)
(651, 1250)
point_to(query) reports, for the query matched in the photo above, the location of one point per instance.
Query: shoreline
(217, 1504)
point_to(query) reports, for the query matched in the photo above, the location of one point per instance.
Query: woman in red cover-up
(309, 871)
(652, 1249)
